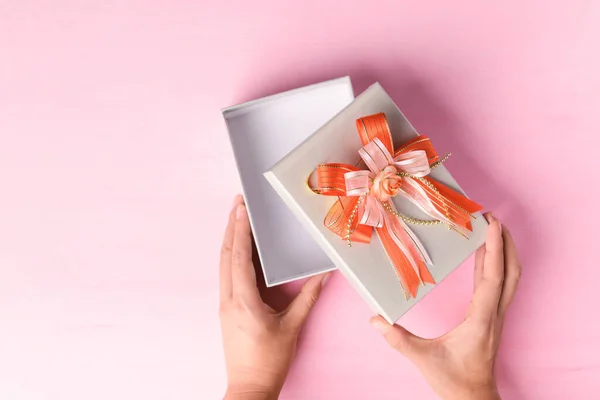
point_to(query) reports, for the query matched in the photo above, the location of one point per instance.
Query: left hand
(259, 342)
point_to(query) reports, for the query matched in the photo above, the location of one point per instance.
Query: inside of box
(262, 132)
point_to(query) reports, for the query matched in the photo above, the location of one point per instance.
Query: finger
(487, 295)
(479, 257)
(300, 307)
(242, 269)
(512, 273)
(225, 261)
(398, 338)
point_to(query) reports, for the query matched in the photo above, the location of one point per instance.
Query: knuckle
(311, 298)
(232, 308)
(497, 281)
(519, 272)
(396, 342)
(225, 250)
(240, 256)
(237, 308)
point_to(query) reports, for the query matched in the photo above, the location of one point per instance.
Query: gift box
(261, 132)
(400, 223)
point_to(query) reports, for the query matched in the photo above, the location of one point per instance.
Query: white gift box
(261, 133)
(366, 266)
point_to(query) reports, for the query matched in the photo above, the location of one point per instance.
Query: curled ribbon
(364, 199)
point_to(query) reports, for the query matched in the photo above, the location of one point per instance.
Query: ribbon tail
(454, 205)
(431, 201)
(432, 204)
(406, 253)
(422, 253)
(455, 197)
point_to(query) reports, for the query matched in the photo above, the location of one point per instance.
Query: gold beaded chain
(352, 215)
(442, 199)
(440, 162)
(434, 189)
(411, 220)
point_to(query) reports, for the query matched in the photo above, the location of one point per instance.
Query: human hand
(259, 343)
(460, 364)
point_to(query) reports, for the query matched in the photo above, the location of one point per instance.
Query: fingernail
(325, 279)
(379, 326)
(241, 211)
(489, 217)
(500, 227)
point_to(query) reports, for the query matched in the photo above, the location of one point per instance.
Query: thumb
(397, 337)
(300, 307)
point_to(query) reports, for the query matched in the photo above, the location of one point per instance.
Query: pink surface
(108, 257)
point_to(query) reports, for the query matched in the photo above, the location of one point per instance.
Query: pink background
(116, 177)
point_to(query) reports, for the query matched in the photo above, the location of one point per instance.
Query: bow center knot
(387, 183)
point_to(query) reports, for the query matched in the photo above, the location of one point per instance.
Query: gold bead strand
(352, 215)
(434, 189)
(440, 162)
(411, 220)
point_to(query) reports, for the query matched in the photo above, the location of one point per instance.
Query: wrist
(247, 393)
(481, 393)
(253, 384)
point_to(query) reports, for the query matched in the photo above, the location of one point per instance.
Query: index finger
(488, 292)
(225, 285)
(242, 267)
(512, 273)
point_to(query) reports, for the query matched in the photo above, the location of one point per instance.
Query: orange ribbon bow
(364, 202)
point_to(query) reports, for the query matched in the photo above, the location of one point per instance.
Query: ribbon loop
(376, 156)
(414, 163)
(357, 183)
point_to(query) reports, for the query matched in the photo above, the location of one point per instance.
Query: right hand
(460, 363)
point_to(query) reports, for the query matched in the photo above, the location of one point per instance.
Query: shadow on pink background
(116, 178)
